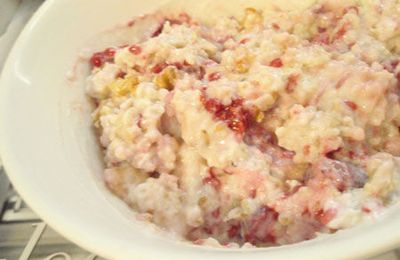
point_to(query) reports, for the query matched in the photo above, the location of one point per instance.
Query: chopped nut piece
(121, 87)
(166, 78)
(251, 18)
(243, 64)
(259, 116)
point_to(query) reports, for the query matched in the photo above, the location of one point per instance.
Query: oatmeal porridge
(260, 130)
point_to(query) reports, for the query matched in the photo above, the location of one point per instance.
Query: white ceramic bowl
(52, 158)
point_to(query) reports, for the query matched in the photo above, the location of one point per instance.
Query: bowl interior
(53, 159)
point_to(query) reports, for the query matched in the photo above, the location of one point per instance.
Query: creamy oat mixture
(261, 130)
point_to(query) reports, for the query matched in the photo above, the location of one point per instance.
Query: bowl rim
(71, 230)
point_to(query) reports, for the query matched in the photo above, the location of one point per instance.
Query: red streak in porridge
(277, 63)
(135, 49)
(235, 116)
(291, 83)
(99, 58)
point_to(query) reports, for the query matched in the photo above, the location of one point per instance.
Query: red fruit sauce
(212, 179)
(99, 58)
(277, 63)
